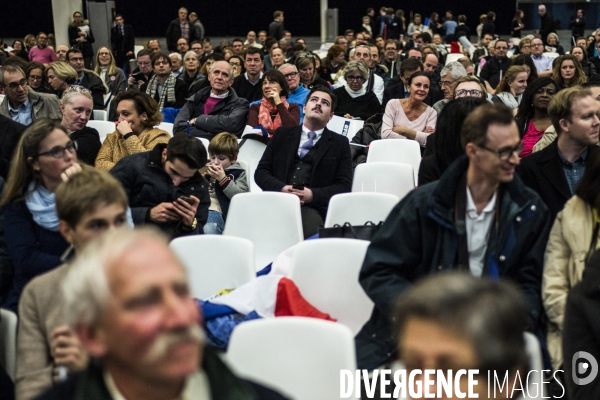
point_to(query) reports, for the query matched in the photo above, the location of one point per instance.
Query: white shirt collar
(472, 209)
(196, 387)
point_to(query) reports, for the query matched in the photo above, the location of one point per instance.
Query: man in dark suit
(547, 23)
(276, 27)
(308, 161)
(555, 171)
(122, 40)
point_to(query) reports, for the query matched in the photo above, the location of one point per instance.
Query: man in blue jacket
(479, 217)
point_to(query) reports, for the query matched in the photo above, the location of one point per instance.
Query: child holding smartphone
(227, 178)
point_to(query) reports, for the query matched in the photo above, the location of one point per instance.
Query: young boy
(227, 178)
(90, 203)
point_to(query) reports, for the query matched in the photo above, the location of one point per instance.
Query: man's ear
(66, 231)
(92, 339)
(164, 155)
(470, 149)
(564, 125)
(331, 116)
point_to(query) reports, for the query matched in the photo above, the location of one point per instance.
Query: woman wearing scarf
(44, 157)
(510, 90)
(353, 99)
(164, 87)
(273, 110)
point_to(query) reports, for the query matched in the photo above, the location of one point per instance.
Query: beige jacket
(564, 262)
(41, 310)
(548, 137)
(115, 147)
(42, 105)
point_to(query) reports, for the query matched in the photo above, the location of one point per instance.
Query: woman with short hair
(136, 132)
(353, 99)
(60, 76)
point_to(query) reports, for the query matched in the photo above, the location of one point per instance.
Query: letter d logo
(580, 368)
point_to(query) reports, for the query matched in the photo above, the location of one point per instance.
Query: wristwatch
(193, 226)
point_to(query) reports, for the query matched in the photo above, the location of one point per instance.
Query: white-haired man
(131, 307)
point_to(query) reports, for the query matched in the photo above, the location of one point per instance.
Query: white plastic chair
(8, 344)
(453, 57)
(103, 128)
(205, 142)
(100, 115)
(250, 169)
(166, 126)
(553, 55)
(384, 177)
(402, 151)
(270, 220)
(300, 357)
(326, 273)
(215, 262)
(252, 151)
(358, 208)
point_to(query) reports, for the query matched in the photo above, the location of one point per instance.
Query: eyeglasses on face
(505, 153)
(59, 151)
(352, 78)
(290, 75)
(468, 93)
(15, 85)
(447, 83)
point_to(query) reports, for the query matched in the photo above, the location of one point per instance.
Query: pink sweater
(395, 116)
(45, 55)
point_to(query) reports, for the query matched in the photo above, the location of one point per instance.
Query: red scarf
(265, 111)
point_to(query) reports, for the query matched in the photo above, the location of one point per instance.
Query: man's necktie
(308, 145)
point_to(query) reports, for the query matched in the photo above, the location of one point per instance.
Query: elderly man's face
(542, 10)
(176, 63)
(150, 327)
(154, 46)
(291, 76)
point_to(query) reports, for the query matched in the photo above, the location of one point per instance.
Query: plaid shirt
(574, 171)
(185, 30)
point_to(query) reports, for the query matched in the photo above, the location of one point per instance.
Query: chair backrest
(402, 151)
(166, 126)
(249, 175)
(215, 262)
(8, 342)
(205, 142)
(384, 177)
(251, 151)
(551, 54)
(344, 126)
(326, 273)
(300, 357)
(270, 220)
(358, 208)
(103, 128)
(100, 115)
(453, 57)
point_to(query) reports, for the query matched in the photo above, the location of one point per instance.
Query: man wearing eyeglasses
(86, 78)
(555, 171)
(249, 84)
(479, 218)
(143, 72)
(297, 93)
(42, 53)
(449, 77)
(391, 57)
(495, 68)
(21, 104)
(542, 62)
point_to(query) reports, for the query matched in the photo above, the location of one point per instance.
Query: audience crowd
(508, 189)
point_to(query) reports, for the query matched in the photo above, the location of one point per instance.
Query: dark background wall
(236, 17)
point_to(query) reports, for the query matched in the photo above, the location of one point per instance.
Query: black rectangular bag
(348, 231)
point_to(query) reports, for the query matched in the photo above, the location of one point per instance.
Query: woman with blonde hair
(60, 76)
(353, 99)
(415, 25)
(567, 72)
(510, 90)
(76, 107)
(307, 68)
(107, 70)
(136, 132)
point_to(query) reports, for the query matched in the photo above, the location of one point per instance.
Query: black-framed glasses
(59, 151)
(290, 75)
(468, 93)
(15, 85)
(505, 153)
(235, 64)
(35, 78)
(352, 78)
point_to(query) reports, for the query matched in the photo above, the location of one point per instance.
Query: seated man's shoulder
(46, 285)
(46, 97)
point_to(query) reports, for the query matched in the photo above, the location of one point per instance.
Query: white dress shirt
(478, 232)
(304, 137)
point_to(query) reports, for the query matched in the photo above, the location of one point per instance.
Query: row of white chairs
(272, 221)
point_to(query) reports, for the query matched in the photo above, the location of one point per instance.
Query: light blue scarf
(42, 206)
